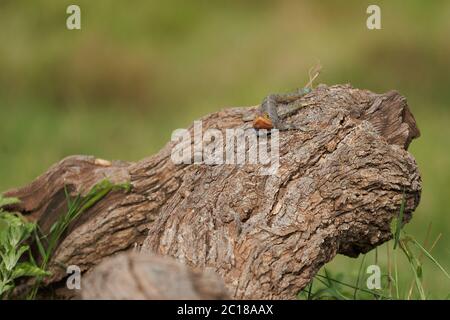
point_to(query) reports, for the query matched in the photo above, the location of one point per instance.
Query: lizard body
(268, 116)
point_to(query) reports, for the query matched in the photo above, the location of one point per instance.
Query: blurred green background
(138, 70)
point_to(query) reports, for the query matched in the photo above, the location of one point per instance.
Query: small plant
(14, 233)
(47, 244)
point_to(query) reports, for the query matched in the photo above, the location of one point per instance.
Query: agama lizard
(268, 117)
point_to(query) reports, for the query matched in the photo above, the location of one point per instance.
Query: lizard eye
(266, 115)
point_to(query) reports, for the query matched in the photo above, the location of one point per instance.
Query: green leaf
(28, 228)
(26, 269)
(31, 258)
(66, 192)
(11, 219)
(39, 245)
(4, 257)
(21, 250)
(5, 288)
(53, 228)
(4, 226)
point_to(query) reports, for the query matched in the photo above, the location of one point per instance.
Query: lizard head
(263, 121)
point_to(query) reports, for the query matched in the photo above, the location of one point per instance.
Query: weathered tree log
(339, 184)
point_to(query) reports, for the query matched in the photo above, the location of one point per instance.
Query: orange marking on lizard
(262, 123)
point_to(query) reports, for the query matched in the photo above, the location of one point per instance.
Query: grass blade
(359, 276)
(429, 256)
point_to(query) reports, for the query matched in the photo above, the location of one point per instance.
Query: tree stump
(339, 184)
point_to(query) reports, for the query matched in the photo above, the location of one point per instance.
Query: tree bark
(340, 183)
